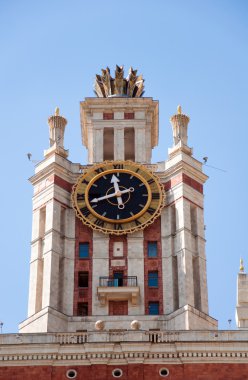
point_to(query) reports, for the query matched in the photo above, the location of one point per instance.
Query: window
(152, 249)
(82, 309)
(153, 279)
(153, 308)
(108, 143)
(129, 144)
(83, 250)
(118, 276)
(83, 279)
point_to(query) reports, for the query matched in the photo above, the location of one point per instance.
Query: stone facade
(139, 355)
(54, 295)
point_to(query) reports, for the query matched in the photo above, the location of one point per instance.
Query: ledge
(118, 293)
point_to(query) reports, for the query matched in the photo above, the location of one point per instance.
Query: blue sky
(192, 53)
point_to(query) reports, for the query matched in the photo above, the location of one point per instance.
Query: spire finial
(241, 265)
(57, 125)
(179, 109)
(179, 123)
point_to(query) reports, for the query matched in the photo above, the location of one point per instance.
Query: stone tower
(119, 241)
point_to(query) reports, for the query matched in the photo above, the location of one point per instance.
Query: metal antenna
(205, 160)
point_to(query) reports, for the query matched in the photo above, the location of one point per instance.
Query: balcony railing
(117, 282)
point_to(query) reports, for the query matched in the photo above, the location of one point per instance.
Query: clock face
(118, 197)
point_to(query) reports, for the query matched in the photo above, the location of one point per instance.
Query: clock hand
(115, 181)
(95, 200)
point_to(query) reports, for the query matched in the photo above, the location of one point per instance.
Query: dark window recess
(84, 250)
(128, 115)
(152, 249)
(108, 143)
(153, 279)
(108, 116)
(82, 308)
(129, 144)
(83, 279)
(118, 278)
(153, 308)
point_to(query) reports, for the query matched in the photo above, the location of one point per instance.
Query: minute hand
(115, 181)
(95, 200)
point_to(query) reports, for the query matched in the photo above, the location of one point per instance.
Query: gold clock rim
(118, 221)
(105, 230)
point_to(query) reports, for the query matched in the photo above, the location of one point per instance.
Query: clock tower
(118, 242)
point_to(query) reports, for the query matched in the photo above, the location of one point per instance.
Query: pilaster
(119, 153)
(100, 267)
(242, 298)
(135, 258)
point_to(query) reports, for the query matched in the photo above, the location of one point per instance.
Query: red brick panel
(203, 371)
(62, 183)
(128, 115)
(153, 233)
(84, 234)
(185, 179)
(118, 307)
(108, 116)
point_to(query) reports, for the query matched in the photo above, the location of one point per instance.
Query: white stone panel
(119, 143)
(33, 277)
(100, 267)
(35, 224)
(117, 263)
(118, 115)
(140, 155)
(140, 115)
(50, 280)
(136, 268)
(98, 145)
(68, 288)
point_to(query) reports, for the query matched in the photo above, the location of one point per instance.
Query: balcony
(118, 289)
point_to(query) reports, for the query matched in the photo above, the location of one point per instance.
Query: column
(140, 147)
(167, 257)
(200, 244)
(184, 253)
(100, 267)
(97, 145)
(36, 262)
(51, 255)
(135, 257)
(119, 143)
(69, 253)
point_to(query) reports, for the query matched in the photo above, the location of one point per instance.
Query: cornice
(139, 352)
(184, 167)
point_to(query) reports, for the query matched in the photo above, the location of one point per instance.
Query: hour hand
(115, 181)
(95, 200)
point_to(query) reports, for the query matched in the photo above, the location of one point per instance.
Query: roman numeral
(85, 181)
(151, 210)
(80, 197)
(137, 222)
(85, 211)
(118, 226)
(150, 181)
(118, 166)
(155, 195)
(99, 222)
(99, 170)
(137, 170)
